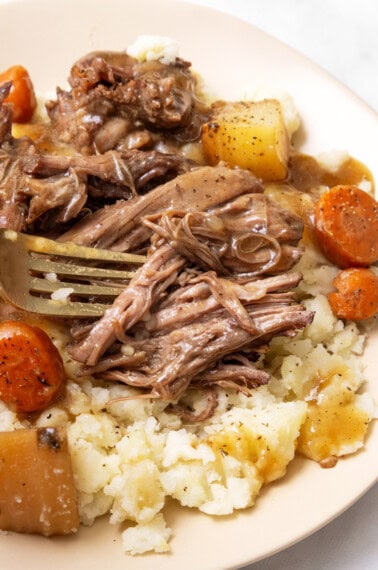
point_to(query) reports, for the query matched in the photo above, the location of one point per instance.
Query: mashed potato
(129, 456)
(152, 48)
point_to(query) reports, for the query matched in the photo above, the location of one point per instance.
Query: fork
(32, 281)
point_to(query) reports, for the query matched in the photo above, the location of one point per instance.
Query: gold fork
(32, 281)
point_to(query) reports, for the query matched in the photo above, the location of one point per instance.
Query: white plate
(46, 37)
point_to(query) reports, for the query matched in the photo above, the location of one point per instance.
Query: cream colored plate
(46, 37)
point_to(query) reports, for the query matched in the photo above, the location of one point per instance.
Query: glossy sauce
(246, 446)
(333, 419)
(42, 136)
(306, 174)
(305, 182)
(330, 426)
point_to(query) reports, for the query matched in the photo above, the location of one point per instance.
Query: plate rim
(330, 79)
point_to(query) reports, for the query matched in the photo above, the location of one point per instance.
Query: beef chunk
(112, 95)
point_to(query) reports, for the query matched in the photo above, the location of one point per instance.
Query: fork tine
(47, 266)
(68, 309)
(54, 308)
(21, 255)
(69, 249)
(45, 286)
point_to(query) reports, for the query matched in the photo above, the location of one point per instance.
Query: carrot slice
(356, 297)
(21, 96)
(346, 226)
(31, 368)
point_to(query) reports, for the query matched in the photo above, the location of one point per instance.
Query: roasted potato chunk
(249, 134)
(37, 493)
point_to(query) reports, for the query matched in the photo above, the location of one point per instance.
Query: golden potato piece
(251, 135)
(37, 493)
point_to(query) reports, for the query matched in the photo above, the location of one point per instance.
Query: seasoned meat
(129, 168)
(115, 174)
(215, 288)
(197, 299)
(241, 297)
(243, 303)
(152, 279)
(33, 184)
(24, 198)
(13, 180)
(174, 359)
(65, 193)
(250, 234)
(117, 226)
(112, 94)
(13, 204)
(239, 373)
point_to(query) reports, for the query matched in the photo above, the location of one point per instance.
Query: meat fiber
(128, 172)
(196, 300)
(118, 226)
(250, 234)
(112, 94)
(33, 184)
(150, 281)
(174, 360)
(217, 284)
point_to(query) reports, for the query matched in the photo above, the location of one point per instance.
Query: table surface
(341, 36)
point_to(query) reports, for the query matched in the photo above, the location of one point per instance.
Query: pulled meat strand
(240, 374)
(225, 295)
(112, 93)
(198, 301)
(249, 234)
(127, 170)
(114, 226)
(176, 358)
(118, 360)
(154, 277)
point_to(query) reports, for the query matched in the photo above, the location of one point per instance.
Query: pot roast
(218, 283)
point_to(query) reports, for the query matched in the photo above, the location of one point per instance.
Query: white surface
(342, 37)
(339, 35)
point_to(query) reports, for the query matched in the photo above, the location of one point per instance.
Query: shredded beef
(217, 284)
(112, 94)
(118, 226)
(130, 171)
(250, 234)
(185, 335)
(153, 278)
(174, 359)
(34, 185)
(195, 300)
